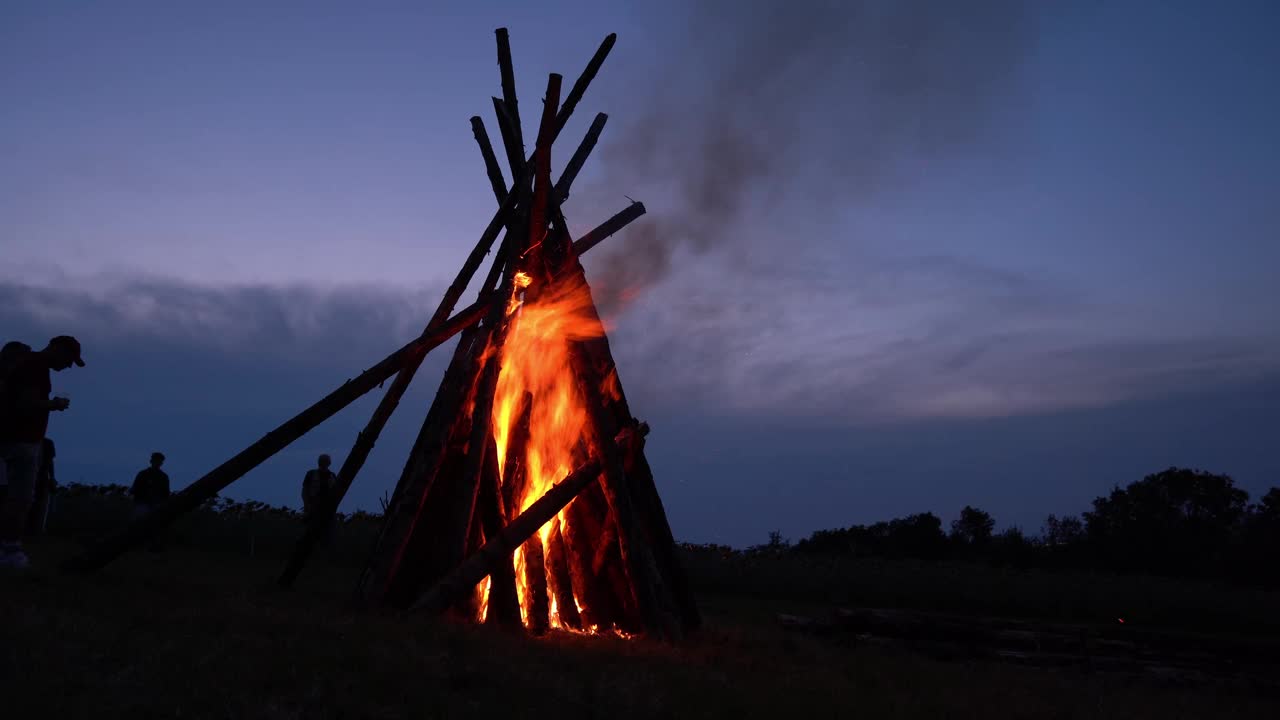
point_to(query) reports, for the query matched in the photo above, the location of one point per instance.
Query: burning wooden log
(599, 607)
(559, 581)
(538, 619)
(503, 602)
(478, 566)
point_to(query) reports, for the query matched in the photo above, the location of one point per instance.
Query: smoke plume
(826, 101)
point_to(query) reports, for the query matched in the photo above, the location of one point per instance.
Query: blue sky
(897, 258)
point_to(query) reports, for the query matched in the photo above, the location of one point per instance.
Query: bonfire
(526, 501)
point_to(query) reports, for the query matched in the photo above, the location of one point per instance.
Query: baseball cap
(70, 344)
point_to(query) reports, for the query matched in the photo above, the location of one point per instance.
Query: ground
(195, 633)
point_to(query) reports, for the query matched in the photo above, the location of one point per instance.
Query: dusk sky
(899, 256)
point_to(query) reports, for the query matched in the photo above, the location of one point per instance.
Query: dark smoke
(831, 102)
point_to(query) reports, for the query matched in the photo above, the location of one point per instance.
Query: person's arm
(30, 399)
(138, 483)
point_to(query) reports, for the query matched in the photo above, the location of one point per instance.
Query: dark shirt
(317, 485)
(25, 425)
(150, 487)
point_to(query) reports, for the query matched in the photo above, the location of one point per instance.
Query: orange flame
(536, 362)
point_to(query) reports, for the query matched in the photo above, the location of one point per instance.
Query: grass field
(199, 633)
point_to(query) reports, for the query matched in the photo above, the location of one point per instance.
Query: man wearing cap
(24, 417)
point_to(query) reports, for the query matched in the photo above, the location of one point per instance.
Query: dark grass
(977, 589)
(198, 633)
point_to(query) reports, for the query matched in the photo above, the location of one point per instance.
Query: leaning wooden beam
(514, 152)
(479, 565)
(608, 227)
(410, 490)
(559, 581)
(538, 215)
(368, 437)
(452, 535)
(649, 505)
(584, 80)
(571, 170)
(273, 442)
(645, 584)
(491, 167)
(425, 459)
(504, 604)
(535, 586)
(571, 100)
(509, 92)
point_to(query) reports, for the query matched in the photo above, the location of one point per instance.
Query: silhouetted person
(317, 490)
(150, 488)
(24, 417)
(46, 484)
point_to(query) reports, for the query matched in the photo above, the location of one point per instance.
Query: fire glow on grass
(536, 364)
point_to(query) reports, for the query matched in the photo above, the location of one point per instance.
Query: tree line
(1178, 523)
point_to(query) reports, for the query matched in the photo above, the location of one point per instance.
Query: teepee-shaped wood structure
(526, 499)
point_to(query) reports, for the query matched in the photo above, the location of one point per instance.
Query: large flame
(536, 364)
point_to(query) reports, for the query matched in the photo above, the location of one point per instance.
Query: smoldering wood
(606, 544)
(468, 606)
(504, 603)
(535, 586)
(559, 582)
(579, 157)
(491, 167)
(599, 609)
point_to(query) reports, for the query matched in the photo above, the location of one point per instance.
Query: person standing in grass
(150, 488)
(317, 492)
(25, 405)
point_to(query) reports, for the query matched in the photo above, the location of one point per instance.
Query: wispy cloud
(299, 320)
(889, 340)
